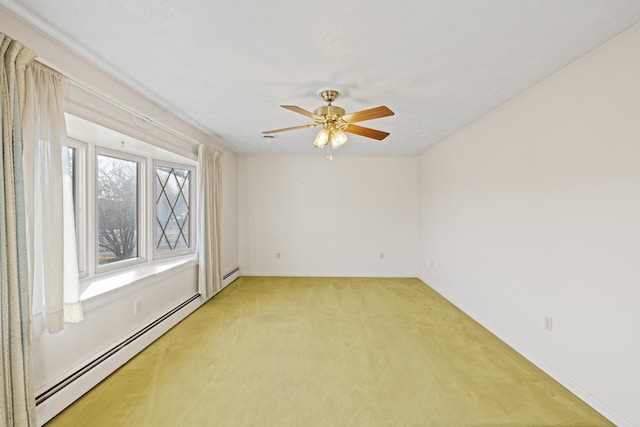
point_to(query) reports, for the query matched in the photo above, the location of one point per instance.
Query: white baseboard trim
(565, 381)
(297, 274)
(58, 401)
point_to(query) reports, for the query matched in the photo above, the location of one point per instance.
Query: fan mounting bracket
(329, 95)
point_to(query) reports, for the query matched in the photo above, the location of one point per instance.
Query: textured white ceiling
(227, 66)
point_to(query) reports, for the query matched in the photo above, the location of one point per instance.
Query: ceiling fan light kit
(322, 138)
(335, 122)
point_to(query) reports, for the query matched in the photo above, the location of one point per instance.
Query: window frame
(81, 210)
(192, 210)
(141, 216)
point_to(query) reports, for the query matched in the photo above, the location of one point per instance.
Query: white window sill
(109, 282)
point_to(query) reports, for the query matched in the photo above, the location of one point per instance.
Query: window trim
(142, 211)
(192, 210)
(81, 211)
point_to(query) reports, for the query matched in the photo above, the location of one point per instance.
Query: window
(77, 155)
(173, 209)
(133, 205)
(117, 198)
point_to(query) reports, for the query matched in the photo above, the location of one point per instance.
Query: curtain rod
(120, 105)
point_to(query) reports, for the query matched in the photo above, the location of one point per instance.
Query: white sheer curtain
(53, 262)
(209, 221)
(17, 401)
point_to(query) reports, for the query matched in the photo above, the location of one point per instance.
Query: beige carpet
(328, 352)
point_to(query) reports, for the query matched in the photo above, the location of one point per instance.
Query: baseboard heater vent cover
(231, 273)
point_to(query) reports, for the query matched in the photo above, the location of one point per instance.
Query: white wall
(328, 218)
(230, 248)
(534, 210)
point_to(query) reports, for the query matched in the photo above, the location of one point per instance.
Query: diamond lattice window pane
(172, 208)
(163, 243)
(171, 188)
(163, 209)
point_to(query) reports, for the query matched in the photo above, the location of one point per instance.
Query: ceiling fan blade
(302, 111)
(311, 125)
(370, 114)
(368, 132)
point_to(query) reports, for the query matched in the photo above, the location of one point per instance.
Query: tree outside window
(117, 209)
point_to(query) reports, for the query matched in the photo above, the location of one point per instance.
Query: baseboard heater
(231, 273)
(89, 366)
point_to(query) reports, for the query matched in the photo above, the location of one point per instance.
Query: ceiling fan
(335, 122)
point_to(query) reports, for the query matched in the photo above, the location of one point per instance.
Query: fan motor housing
(330, 112)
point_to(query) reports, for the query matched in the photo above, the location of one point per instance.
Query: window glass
(117, 187)
(71, 156)
(172, 208)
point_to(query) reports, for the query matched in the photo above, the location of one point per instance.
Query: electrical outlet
(548, 323)
(137, 307)
(381, 256)
(278, 255)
